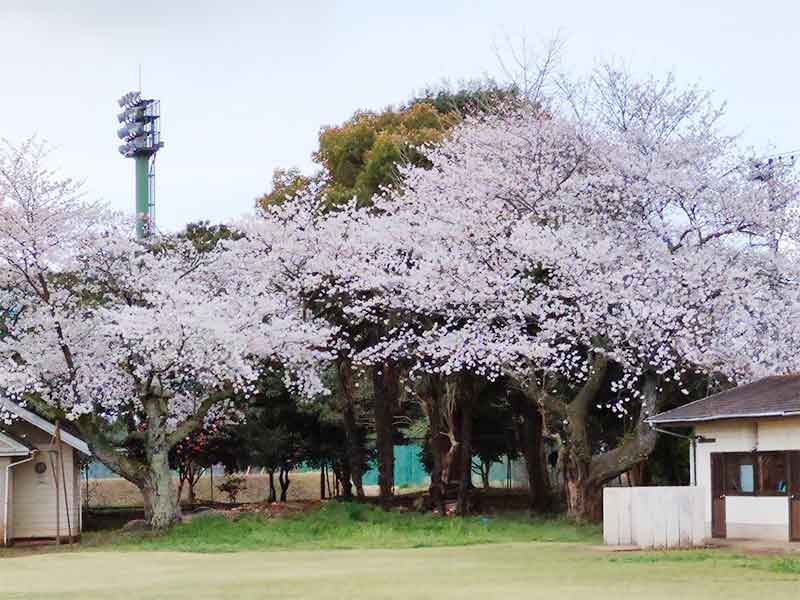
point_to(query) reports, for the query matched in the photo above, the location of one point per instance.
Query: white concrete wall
(654, 517)
(757, 518)
(751, 517)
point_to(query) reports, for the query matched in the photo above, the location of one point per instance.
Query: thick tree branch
(635, 448)
(108, 453)
(197, 419)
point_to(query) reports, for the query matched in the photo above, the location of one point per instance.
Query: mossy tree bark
(585, 473)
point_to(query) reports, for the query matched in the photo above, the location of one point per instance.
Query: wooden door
(718, 528)
(794, 496)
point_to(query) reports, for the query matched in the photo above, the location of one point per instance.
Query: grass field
(524, 570)
(345, 525)
(356, 551)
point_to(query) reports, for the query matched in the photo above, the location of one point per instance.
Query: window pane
(739, 474)
(747, 479)
(772, 474)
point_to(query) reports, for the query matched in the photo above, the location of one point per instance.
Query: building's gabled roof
(10, 445)
(23, 413)
(775, 396)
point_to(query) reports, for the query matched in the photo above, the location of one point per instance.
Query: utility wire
(788, 153)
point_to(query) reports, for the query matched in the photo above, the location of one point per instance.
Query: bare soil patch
(118, 492)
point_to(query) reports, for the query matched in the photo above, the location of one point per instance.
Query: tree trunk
(385, 386)
(530, 426)
(271, 494)
(584, 496)
(355, 455)
(160, 498)
(161, 508)
(639, 474)
(451, 411)
(192, 491)
(637, 445)
(181, 484)
(484, 468)
(344, 480)
(322, 481)
(431, 394)
(283, 479)
(439, 448)
(152, 476)
(586, 474)
(465, 457)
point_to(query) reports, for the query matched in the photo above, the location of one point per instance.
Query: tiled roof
(775, 396)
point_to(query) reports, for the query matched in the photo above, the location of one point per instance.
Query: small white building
(746, 457)
(38, 499)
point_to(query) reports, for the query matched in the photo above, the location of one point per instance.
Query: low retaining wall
(654, 517)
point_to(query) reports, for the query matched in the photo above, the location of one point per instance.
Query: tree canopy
(361, 157)
(597, 253)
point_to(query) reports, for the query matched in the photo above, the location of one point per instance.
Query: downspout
(6, 501)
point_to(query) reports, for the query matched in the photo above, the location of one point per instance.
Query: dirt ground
(535, 571)
(114, 492)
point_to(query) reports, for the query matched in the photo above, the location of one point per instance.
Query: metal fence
(409, 470)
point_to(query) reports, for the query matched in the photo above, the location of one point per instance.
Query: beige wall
(746, 516)
(33, 510)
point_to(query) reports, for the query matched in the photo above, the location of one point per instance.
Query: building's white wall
(779, 434)
(34, 498)
(730, 436)
(653, 517)
(754, 511)
(757, 518)
(745, 514)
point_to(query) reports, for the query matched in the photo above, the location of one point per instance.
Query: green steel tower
(141, 133)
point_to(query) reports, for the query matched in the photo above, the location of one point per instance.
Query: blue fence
(408, 469)
(100, 471)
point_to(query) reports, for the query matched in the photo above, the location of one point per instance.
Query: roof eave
(14, 446)
(672, 421)
(45, 425)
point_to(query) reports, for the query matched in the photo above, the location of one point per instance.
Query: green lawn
(340, 525)
(525, 570)
(359, 552)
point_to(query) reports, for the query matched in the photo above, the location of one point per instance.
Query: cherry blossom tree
(561, 243)
(157, 336)
(594, 251)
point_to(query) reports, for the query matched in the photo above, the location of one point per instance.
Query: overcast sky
(245, 86)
